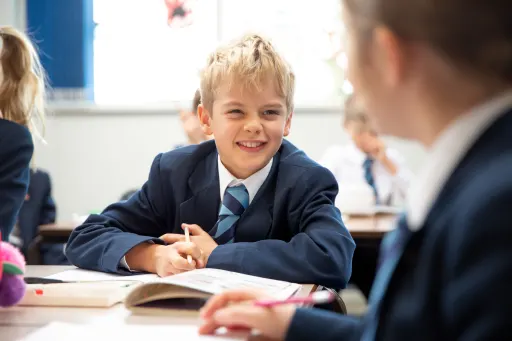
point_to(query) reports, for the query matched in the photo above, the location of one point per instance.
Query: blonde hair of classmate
(248, 62)
(22, 80)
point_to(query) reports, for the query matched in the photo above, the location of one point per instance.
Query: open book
(188, 291)
(148, 293)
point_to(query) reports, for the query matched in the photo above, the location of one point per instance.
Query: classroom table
(18, 322)
(360, 227)
(370, 227)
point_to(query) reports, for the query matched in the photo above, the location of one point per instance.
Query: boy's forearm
(143, 257)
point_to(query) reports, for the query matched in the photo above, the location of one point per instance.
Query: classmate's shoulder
(14, 137)
(294, 164)
(187, 156)
(489, 179)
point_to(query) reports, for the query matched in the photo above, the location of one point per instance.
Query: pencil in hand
(187, 239)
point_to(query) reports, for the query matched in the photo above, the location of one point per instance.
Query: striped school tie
(391, 250)
(368, 175)
(236, 200)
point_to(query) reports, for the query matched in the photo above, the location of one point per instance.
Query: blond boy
(253, 202)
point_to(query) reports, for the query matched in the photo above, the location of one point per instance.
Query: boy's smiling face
(248, 126)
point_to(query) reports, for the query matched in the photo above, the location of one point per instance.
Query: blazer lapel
(202, 208)
(256, 222)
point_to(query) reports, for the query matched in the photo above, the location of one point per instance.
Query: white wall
(12, 13)
(94, 157)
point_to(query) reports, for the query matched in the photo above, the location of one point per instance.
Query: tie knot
(368, 162)
(236, 199)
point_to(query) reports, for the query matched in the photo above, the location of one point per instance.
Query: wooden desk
(17, 322)
(59, 231)
(370, 227)
(51, 233)
(360, 227)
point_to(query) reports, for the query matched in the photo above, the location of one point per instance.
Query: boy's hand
(172, 259)
(202, 239)
(232, 309)
(378, 150)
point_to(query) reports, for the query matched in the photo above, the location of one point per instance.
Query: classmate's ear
(391, 55)
(288, 124)
(205, 119)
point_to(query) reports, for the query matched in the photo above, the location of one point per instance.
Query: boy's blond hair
(22, 86)
(356, 115)
(247, 62)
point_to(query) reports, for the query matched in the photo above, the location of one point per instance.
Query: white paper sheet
(80, 275)
(215, 281)
(60, 331)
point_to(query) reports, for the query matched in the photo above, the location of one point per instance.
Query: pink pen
(319, 297)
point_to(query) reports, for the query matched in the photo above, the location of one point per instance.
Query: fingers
(236, 317)
(222, 300)
(188, 248)
(194, 229)
(171, 238)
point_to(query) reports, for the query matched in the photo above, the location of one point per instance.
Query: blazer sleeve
(16, 149)
(308, 324)
(321, 252)
(477, 297)
(103, 240)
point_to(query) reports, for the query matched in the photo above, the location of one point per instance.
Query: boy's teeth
(251, 144)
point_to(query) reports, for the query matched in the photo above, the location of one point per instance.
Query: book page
(60, 331)
(215, 281)
(80, 275)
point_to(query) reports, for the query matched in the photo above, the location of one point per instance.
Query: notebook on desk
(148, 294)
(188, 291)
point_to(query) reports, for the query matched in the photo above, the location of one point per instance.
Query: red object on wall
(178, 14)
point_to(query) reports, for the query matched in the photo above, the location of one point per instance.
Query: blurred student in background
(38, 209)
(21, 98)
(367, 161)
(191, 124)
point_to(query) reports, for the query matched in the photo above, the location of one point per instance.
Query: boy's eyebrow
(274, 105)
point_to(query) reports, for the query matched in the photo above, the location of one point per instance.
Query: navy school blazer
(16, 149)
(291, 230)
(40, 209)
(454, 278)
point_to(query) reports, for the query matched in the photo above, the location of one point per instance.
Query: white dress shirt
(226, 179)
(346, 163)
(445, 154)
(252, 183)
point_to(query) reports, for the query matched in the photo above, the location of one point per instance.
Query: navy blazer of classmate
(40, 209)
(291, 230)
(16, 149)
(454, 278)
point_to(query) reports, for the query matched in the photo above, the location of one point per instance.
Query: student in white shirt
(366, 161)
(191, 125)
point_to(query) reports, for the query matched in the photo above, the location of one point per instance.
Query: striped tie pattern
(368, 175)
(234, 203)
(391, 250)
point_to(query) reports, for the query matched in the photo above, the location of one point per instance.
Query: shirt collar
(252, 183)
(446, 152)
